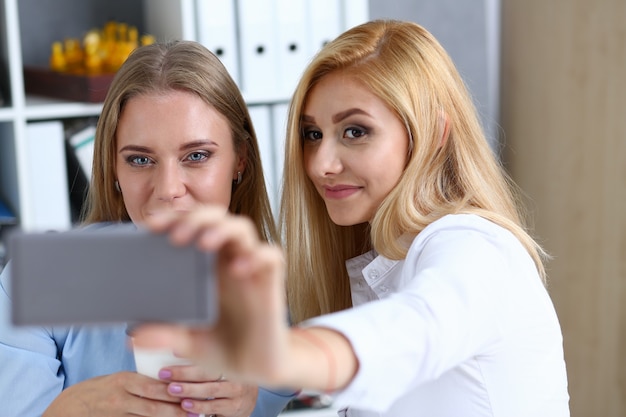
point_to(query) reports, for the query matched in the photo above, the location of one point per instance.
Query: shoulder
(469, 245)
(467, 231)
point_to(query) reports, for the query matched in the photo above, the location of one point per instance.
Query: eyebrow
(309, 119)
(184, 147)
(347, 113)
(337, 117)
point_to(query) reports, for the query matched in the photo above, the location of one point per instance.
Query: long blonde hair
(186, 66)
(404, 66)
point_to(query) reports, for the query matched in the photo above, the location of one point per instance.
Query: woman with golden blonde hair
(415, 287)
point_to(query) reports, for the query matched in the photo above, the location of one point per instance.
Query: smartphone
(113, 274)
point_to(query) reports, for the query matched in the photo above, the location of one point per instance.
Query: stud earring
(117, 186)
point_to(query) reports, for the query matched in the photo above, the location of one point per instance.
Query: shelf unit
(166, 19)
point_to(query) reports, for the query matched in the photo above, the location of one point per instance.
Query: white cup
(150, 361)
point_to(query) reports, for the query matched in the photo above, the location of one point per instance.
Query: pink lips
(340, 191)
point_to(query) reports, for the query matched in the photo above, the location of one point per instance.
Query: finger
(259, 281)
(152, 389)
(184, 222)
(161, 221)
(188, 373)
(236, 232)
(217, 407)
(203, 390)
(141, 406)
(185, 229)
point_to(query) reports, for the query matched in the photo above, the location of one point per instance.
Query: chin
(346, 220)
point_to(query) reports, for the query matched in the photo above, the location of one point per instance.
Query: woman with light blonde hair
(415, 287)
(190, 67)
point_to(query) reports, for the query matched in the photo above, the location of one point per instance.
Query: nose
(325, 158)
(169, 181)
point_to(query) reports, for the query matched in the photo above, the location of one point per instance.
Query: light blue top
(39, 362)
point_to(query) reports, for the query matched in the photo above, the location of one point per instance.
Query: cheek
(307, 162)
(389, 174)
(134, 197)
(212, 188)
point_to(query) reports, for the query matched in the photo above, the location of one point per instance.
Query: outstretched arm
(251, 340)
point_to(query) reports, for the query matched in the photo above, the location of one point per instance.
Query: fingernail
(187, 404)
(175, 388)
(165, 374)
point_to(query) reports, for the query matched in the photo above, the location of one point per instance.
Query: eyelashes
(355, 132)
(351, 133)
(138, 160)
(195, 157)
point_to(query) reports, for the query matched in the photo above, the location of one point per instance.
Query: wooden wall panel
(563, 112)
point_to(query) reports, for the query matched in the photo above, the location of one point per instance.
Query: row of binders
(266, 44)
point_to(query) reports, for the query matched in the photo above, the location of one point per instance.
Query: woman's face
(355, 148)
(174, 152)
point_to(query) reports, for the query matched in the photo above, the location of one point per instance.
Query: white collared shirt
(463, 327)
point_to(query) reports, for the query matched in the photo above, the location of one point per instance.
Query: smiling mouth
(178, 211)
(339, 192)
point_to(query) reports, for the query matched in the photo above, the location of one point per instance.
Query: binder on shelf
(258, 49)
(82, 143)
(217, 30)
(79, 154)
(48, 195)
(292, 45)
(324, 23)
(354, 13)
(262, 126)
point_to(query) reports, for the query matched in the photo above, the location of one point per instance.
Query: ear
(240, 165)
(444, 128)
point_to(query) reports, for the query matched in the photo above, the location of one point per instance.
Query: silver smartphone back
(109, 275)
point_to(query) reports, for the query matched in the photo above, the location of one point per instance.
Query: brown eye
(312, 135)
(354, 133)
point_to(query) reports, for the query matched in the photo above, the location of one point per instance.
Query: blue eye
(197, 156)
(138, 160)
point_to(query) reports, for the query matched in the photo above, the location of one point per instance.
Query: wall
(469, 31)
(563, 108)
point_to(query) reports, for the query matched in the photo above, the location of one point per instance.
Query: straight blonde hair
(405, 67)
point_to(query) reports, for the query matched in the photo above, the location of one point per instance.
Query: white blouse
(463, 327)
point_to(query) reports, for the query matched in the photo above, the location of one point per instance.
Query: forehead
(171, 116)
(340, 90)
